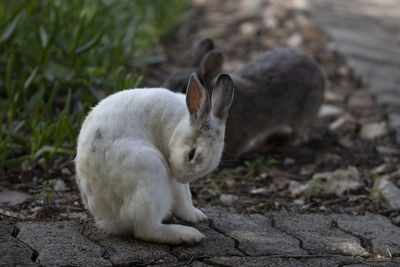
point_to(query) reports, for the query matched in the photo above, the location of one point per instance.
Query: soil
(266, 181)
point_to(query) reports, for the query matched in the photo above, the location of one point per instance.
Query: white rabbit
(138, 150)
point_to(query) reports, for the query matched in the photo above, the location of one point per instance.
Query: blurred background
(59, 58)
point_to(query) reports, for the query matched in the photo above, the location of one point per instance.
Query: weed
(47, 192)
(260, 164)
(58, 58)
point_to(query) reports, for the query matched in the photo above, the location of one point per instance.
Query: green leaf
(91, 43)
(44, 37)
(30, 78)
(10, 29)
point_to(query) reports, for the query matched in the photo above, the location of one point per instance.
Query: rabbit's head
(207, 62)
(197, 142)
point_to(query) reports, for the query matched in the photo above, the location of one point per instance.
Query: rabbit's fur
(138, 150)
(280, 91)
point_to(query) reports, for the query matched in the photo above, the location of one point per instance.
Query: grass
(58, 58)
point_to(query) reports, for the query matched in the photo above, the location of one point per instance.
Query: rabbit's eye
(192, 153)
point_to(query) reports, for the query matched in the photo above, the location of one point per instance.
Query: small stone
(250, 8)
(295, 40)
(344, 70)
(346, 142)
(297, 188)
(372, 131)
(299, 201)
(337, 182)
(14, 198)
(288, 161)
(333, 96)
(328, 111)
(383, 168)
(42, 163)
(25, 166)
(248, 28)
(388, 150)
(343, 123)
(229, 182)
(258, 191)
(389, 191)
(66, 171)
(228, 199)
(60, 186)
(307, 169)
(300, 4)
(360, 99)
(270, 22)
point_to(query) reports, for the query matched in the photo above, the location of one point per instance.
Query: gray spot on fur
(98, 134)
(93, 147)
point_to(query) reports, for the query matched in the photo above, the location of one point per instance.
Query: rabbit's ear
(211, 65)
(200, 49)
(222, 96)
(197, 99)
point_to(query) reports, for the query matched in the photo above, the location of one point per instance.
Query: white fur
(131, 167)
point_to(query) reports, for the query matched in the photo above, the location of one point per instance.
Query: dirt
(264, 182)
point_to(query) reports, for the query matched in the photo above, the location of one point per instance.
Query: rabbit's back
(282, 65)
(281, 88)
(290, 84)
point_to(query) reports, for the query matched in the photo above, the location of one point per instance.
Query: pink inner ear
(195, 98)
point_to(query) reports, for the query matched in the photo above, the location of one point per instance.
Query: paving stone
(6, 229)
(279, 261)
(363, 39)
(394, 120)
(384, 86)
(255, 234)
(378, 231)
(330, 20)
(396, 220)
(353, 49)
(376, 262)
(12, 251)
(318, 234)
(215, 244)
(60, 243)
(389, 100)
(367, 32)
(127, 250)
(370, 71)
(199, 264)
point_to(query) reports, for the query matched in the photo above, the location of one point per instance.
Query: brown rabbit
(281, 90)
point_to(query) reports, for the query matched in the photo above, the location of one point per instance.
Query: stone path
(276, 239)
(367, 32)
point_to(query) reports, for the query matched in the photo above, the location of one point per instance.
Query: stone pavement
(275, 239)
(367, 32)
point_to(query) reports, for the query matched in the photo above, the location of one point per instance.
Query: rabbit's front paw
(173, 234)
(200, 215)
(190, 215)
(189, 235)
